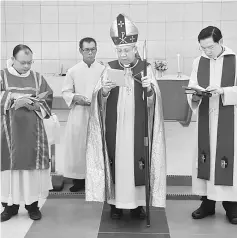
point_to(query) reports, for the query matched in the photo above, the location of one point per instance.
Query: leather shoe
(9, 212)
(138, 212)
(207, 208)
(232, 218)
(33, 211)
(35, 214)
(116, 213)
(231, 211)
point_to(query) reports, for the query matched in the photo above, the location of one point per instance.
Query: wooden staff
(146, 143)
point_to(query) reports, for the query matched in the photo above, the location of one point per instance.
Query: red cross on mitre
(124, 32)
(120, 24)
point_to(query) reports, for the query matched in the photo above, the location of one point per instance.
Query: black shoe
(115, 213)
(207, 208)
(138, 213)
(76, 188)
(79, 184)
(33, 211)
(35, 214)
(231, 211)
(232, 217)
(9, 212)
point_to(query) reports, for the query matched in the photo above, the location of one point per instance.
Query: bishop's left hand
(215, 90)
(146, 83)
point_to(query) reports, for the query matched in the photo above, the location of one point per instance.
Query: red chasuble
(24, 144)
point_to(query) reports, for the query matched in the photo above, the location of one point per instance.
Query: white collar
(86, 65)
(14, 72)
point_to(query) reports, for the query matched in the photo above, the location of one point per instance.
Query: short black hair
(20, 47)
(88, 40)
(210, 31)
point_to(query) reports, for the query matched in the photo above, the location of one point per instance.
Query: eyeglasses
(24, 63)
(87, 50)
(209, 48)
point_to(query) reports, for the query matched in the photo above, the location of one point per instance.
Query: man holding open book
(214, 97)
(115, 147)
(26, 99)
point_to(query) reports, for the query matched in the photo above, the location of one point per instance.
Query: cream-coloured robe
(124, 194)
(80, 80)
(199, 186)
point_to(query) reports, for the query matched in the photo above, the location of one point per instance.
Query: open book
(198, 91)
(39, 97)
(117, 76)
(30, 99)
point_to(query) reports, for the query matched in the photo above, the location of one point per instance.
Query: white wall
(53, 28)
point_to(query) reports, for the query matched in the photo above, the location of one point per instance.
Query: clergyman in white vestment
(215, 154)
(77, 92)
(115, 148)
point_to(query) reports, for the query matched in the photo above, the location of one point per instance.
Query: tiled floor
(18, 226)
(128, 226)
(181, 224)
(69, 218)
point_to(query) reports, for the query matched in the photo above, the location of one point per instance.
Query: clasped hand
(214, 90)
(27, 103)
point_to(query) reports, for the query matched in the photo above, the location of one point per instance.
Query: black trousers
(228, 206)
(78, 182)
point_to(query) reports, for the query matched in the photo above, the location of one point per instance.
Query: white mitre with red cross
(123, 31)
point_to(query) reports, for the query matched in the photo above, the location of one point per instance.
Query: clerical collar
(131, 65)
(13, 71)
(87, 64)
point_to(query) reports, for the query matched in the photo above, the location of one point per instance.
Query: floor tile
(67, 218)
(129, 225)
(182, 225)
(132, 235)
(203, 236)
(18, 225)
